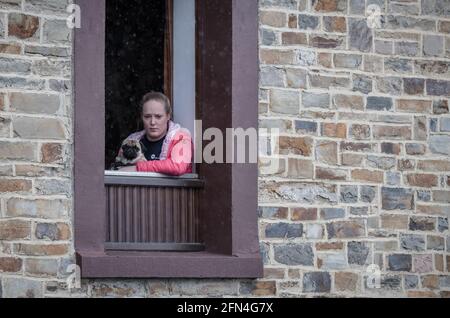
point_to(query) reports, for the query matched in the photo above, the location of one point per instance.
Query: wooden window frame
(229, 222)
(168, 47)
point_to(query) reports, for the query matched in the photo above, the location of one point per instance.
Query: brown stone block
(304, 214)
(334, 130)
(41, 249)
(10, 264)
(344, 281)
(367, 175)
(22, 26)
(422, 180)
(14, 230)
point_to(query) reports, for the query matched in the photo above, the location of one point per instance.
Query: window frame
(230, 221)
(168, 54)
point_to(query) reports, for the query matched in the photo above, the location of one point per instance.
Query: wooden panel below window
(152, 217)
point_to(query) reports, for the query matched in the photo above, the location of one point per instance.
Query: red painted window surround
(229, 222)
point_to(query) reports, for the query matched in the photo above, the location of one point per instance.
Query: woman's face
(155, 120)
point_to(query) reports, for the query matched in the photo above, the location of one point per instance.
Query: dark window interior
(134, 62)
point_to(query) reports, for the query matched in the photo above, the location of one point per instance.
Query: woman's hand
(128, 169)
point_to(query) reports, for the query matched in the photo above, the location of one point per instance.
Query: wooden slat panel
(161, 203)
(142, 214)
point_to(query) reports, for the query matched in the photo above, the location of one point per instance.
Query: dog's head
(131, 149)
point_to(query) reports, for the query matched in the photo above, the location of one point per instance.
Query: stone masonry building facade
(363, 178)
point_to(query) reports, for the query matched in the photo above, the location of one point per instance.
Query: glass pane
(135, 34)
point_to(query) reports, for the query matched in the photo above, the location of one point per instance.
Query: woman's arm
(164, 166)
(178, 161)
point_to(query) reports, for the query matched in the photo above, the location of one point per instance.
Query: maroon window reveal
(227, 97)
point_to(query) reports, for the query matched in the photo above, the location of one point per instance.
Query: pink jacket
(176, 153)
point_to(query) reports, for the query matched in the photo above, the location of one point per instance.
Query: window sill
(149, 175)
(152, 179)
(117, 264)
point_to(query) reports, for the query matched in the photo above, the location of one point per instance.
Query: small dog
(130, 153)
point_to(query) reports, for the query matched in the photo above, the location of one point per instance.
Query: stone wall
(35, 146)
(363, 160)
(363, 156)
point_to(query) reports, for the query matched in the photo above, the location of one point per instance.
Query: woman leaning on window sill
(166, 147)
